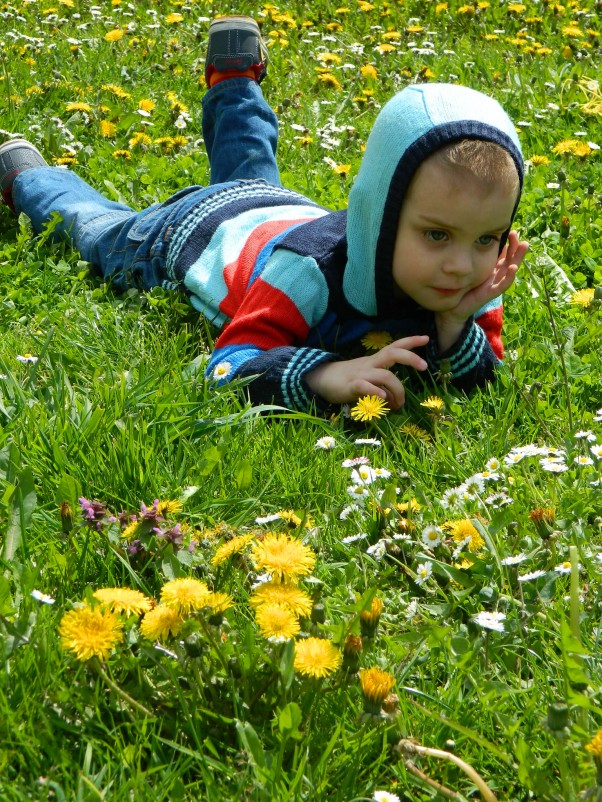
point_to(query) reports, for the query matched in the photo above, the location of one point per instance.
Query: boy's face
(448, 235)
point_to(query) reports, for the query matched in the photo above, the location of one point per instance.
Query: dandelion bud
(352, 648)
(561, 177)
(193, 645)
(66, 517)
(390, 705)
(369, 618)
(318, 614)
(597, 293)
(543, 519)
(558, 717)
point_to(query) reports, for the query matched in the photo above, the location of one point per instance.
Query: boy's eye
(487, 239)
(435, 235)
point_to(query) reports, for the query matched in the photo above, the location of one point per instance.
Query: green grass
(116, 409)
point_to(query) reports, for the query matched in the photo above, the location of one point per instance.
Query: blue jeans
(130, 248)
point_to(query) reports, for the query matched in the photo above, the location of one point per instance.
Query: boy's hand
(450, 324)
(344, 382)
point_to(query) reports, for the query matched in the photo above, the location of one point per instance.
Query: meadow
(200, 599)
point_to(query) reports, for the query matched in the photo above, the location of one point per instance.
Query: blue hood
(410, 127)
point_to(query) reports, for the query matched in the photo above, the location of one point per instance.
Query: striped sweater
(293, 285)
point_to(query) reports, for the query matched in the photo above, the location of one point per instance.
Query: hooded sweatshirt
(293, 285)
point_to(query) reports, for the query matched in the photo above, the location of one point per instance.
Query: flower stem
(119, 691)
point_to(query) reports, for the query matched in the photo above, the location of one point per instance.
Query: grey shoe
(235, 44)
(16, 156)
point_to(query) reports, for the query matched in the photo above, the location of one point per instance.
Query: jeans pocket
(147, 224)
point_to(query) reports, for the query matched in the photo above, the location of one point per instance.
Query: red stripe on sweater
(237, 274)
(491, 323)
(267, 318)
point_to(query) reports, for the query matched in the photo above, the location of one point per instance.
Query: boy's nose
(458, 263)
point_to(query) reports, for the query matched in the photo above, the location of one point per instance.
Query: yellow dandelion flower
(516, 8)
(583, 298)
(491, 37)
(369, 72)
(353, 645)
(284, 557)
(283, 594)
(329, 58)
(85, 107)
(185, 594)
(218, 602)
(67, 3)
(65, 160)
(124, 600)
(464, 529)
(440, 7)
(538, 161)
(466, 10)
(334, 26)
(427, 73)
(567, 52)
(408, 506)
(133, 528)
(316, 657)
(173, 19)
(391, 36)
(433, 403)
(230, 548)
(179, 140)
(564, 146)
(572, 30)
(169, 507)
(368, 408)
(385, 47)
(114, 36)
(415, 431)
(376, 684)
(328, 79)
(34, 90)
(117, 91)
(146, 105)
(161, 622)
(414, 28)
(375, 340)
(582, 150)
(90, 632)
(140, 138)
(174, 104)
(595, 745)
(277, 622)
(107, 128)
(290, 516)
(365, 6)
(342, 169)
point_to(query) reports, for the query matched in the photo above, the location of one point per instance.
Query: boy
(423, 253)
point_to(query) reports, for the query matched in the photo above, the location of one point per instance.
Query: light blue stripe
(301, 280)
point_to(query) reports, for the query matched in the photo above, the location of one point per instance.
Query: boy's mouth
(443, 291)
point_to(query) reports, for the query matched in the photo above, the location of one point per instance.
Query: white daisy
(367, 441)
(347, 511)
(43, 598)
(487, 620)
(432, 536)
(267, 519)
(364, 475)
(474, 486)
(585, 435)
(531, 575)
(514, 559)
(354, 538)
(222, 370)
(582, 459)
(27, 359)
(553, 465)
(597, 451)
(563, 568)
(452, 498)
(377, 550)
(423, 572)
(355, 461)
(493, 465)
(359, 493)
(385, 796)
(326, 443)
